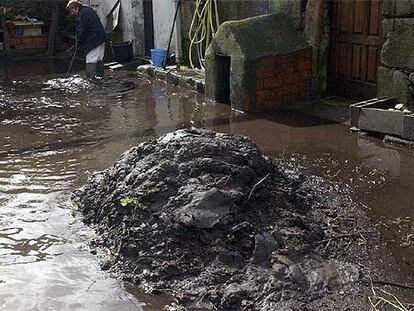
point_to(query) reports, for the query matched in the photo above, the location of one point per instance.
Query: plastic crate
(23, 43)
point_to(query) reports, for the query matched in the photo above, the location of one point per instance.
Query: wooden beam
(53, 30)
(7, 47)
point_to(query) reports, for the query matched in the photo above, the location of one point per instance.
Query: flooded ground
(55, 131)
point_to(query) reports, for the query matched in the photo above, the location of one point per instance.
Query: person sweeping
(90, 35)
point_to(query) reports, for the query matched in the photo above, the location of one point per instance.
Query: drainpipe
(177, 39)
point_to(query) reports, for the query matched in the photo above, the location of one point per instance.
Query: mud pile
(215, 223)
(79, 84)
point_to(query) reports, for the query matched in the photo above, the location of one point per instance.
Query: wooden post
(6, 50)
(52, 30)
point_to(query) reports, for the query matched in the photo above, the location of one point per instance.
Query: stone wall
(396, 74)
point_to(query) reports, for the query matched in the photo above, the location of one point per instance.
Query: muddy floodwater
(56, 130)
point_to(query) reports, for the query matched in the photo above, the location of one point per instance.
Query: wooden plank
(363, 61)
(7, 49)
(360, 39)
(344, 12)
(53, 30)
(375, 18)
(360, 16)
(356, 61)
(372, 66)
(342, 55)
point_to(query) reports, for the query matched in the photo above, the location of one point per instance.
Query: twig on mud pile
(227, 180)
(346, 248)
(378, 301)
(89, 287)
(255, 186)
(390, 283)
(334, 175)
(346, 235)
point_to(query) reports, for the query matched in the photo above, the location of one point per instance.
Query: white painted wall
(163, 18)
(126, 20)
(131, 19)
(137, 22)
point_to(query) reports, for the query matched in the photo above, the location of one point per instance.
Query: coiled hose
(203, 26)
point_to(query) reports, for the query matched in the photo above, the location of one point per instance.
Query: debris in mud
(78, 83)
(208, 217)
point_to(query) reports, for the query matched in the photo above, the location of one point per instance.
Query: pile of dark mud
(209, 219)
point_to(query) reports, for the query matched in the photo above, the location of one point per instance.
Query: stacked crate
(27, 35)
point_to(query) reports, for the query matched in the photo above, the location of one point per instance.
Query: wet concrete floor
(55, 131)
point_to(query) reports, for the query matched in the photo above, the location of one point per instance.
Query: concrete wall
(131, 19)
(132, 23)
(163, 11)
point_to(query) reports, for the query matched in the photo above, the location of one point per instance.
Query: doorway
(355, 48)
(223, 64)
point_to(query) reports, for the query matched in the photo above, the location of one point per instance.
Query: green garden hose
(204, 25)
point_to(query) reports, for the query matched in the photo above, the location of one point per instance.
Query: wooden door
(355, 48)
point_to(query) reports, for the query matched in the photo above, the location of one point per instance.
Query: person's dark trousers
(95, 69)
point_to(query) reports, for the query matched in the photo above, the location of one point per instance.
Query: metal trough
(374, 115)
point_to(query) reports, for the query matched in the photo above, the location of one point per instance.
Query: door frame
(337, 85)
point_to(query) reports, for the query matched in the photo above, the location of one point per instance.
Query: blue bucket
(158, 56)
(19, 32)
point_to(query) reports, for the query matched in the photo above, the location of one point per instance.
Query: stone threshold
(185, 77)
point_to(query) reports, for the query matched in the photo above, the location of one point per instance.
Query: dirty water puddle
(54, 138)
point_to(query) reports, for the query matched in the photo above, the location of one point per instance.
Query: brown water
(52, 138)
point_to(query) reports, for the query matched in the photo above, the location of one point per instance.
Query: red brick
(303, 64)
(260, 85)
(282, 69)
(283, 58)
(264, 95)
(272, 83)
(266, 74)
(297, 78)
(266, 64)
(269, 104)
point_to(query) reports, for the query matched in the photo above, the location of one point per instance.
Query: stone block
(398, 48)
(398, 8)
(394, 83)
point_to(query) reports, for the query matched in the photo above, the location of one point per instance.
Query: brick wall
(283, 79)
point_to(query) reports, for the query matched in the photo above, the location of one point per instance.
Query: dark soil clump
(210, 219)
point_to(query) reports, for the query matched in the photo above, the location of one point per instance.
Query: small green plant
(128, 201)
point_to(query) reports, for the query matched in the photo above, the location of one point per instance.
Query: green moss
(258, 36)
